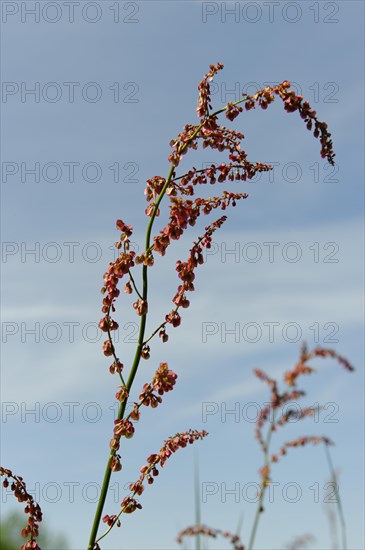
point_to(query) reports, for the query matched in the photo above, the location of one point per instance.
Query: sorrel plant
(185, 207)
(278, 412)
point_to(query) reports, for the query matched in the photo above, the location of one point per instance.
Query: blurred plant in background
(11, 539)
(277, 413)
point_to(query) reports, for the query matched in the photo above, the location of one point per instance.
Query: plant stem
(263, 489)
(197, 501)
(134, 284)
(338, 501)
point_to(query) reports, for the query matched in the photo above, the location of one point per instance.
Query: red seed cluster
(292, 103)
(233, 111)
(277, 416)
(116, 271)
(186, 269)
(196, 530)
(301, 367)
(123, 428)
(204, 90)
(163, 382)
(173, 444)
(148, 472)
(32, 509)
(301, 442)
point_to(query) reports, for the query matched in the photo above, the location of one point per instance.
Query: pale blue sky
(157, 60)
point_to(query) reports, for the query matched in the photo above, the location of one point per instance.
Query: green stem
(263, 489)
(338, 501)
(198, 518)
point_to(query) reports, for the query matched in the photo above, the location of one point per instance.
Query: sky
(113, 82)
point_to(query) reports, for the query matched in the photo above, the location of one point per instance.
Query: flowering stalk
(271, 412)
(184, 212)
(149, 471)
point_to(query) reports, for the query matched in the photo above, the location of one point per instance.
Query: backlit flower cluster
(292, 103)
(196, 530)
(150, 470)
(116, 271)
(184, 211)
(204, 90)
(300, 442)
(301, 367)
(19, 488)
(186, 269)
(273, 414)
(162, 382)
(263, 98)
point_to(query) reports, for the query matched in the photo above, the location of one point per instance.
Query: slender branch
(338, 499)
(114, 522)
(134, 284)
(203, 170)
(131, 277)
(264, 485)
(159, 328)
(198, 519)
(113, 351)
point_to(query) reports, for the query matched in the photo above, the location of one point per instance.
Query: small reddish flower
(164, 379)
(130, 505)
(173, 318)
(115, 464)
(233, 111)
(145, 353)
(123, 428)
(117, 366)
(162, 334)
(122, 394)
(106, 324)
(141, 307)
(109, 520)
(108, 348)
(128, 288)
